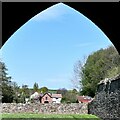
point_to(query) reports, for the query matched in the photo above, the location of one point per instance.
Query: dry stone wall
(106, 104)
(73, 108)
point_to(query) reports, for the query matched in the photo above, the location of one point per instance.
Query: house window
(46, 98)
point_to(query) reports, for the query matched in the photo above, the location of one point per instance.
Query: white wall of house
(35, 95)
(27, 100)
(56, 100)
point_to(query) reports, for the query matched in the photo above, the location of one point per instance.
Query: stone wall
(73, 108)
(106, 104)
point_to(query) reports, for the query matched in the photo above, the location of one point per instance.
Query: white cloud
(51, 13)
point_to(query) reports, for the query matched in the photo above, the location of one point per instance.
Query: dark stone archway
(104, 15)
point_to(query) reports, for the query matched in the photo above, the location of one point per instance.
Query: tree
(62, 91)
(44, 89)
(25, 91)
(35, 87)
(7, 89)
(68, 96)
(78, 72)
(16, 90)
(75, 91)
(104, 63)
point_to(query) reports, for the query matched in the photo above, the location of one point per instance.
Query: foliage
(66, 95)
(75, 91)
(43, 89)
(35, 87)
(25, 91)
(16, 89)
(104, 63)
(10, 90)
(69, 97)
(7, 90)
(62, 91)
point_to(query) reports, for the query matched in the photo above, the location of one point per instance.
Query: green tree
(62, 91)
(75, 91)
(7, 89)
(104, 63)
(35, 87)
(25, 91)
(16, 90)
(44, 89)
(69, 96)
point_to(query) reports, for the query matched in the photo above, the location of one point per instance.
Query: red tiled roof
(84, 99)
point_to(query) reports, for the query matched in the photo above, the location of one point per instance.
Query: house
(50, 98)
(84, 99)
(46, 97)
(56, 98)
(34, 96)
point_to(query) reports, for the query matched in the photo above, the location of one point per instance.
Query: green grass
(27, 115)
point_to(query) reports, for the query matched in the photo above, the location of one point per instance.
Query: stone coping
(106, 80)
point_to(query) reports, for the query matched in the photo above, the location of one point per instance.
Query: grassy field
(26, 115)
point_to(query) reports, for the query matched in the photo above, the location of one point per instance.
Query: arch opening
(46, 21)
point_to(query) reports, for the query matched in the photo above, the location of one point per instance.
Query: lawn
(73, 116)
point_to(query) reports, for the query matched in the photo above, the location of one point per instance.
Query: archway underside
(16, 14)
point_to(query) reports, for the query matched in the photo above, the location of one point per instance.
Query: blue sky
(45, 49)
